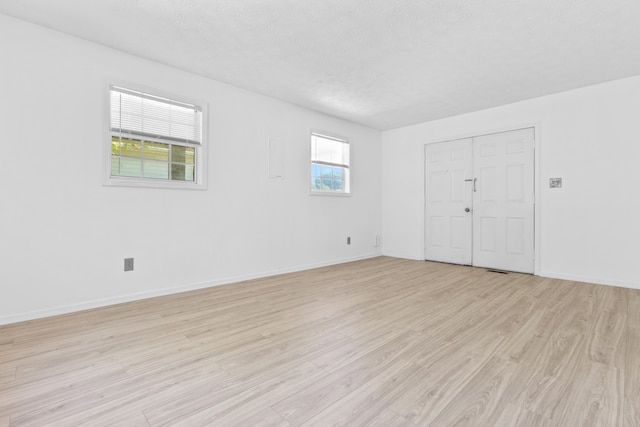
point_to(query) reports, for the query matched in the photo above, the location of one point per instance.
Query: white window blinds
(142, 115)
(329, 151)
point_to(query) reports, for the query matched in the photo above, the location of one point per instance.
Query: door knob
(467, 210)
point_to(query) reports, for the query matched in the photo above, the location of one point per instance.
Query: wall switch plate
(128, 264)
(555, 182)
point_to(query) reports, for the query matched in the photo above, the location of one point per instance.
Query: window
(329, 164)
(155, 141)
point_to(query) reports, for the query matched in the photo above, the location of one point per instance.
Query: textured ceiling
(381, 63)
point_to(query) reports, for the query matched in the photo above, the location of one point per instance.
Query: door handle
(474, 182)
(467, 210)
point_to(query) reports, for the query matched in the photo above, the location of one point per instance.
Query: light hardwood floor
(380, 342)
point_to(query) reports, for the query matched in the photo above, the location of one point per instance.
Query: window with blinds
(154, 138)
(329, 164)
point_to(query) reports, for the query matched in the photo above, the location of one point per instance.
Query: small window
(155, 141)
(329, 164)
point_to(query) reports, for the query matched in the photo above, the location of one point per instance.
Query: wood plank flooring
(379, 342)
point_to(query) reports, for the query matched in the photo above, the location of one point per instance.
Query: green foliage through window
(149, 159)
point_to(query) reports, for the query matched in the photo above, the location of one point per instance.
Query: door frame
(537, 138)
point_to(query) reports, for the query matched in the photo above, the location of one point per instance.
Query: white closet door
(448, 182)
(503, 201)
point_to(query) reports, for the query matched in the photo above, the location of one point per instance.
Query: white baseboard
(401, 255)
(588, 279)
(87, 305)
(550, 274)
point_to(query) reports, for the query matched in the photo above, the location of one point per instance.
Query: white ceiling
(381, 63)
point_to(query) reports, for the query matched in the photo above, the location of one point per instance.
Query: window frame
(347, 183)
(201, 150)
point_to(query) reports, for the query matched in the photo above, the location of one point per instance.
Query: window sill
(145, 183)
(328, 193)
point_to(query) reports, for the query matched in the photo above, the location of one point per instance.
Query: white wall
(63, 235)
(590, 229)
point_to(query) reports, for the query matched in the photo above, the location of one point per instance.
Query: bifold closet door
(503, 201)
(448, 184)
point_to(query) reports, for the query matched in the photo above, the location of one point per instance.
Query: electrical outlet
(348, 240)
(128, 264)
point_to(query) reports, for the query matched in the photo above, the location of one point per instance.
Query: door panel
(515, 234)
(515, 183)
(503, 203)
(448, 231)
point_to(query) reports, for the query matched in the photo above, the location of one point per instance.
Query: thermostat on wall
(555, 182)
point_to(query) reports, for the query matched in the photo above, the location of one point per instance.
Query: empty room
(296, 213)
